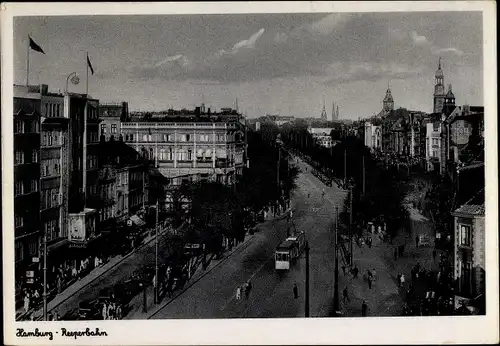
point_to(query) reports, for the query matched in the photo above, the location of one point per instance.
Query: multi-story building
(463, 124)
(111, 115)
(281, 120)
(188, 148)
(469, 251)
(433, 146)
(322, 136)
(27, 233)
(372, 136)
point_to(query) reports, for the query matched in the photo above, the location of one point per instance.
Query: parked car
(89, 310)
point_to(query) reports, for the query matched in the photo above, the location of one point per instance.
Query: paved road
(272, 294)
(145, 256)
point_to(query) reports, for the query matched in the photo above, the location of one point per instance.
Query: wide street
(213, 296)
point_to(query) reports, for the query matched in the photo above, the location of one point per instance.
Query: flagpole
(28, 63)
(87, 81)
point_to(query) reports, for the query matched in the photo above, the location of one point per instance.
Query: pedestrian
(345, 295)
(104, 311)
(416, 241)
(56, 316)
(238, 293)
(26, 302)
(118, 312)
(248, 289)
(364, 309)
(295, 291)
(355, 272)
(110, 312)
(402, 279)
(434, 254)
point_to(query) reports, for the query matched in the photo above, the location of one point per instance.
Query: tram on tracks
(289, 250)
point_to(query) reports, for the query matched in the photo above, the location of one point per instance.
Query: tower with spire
(324, 116)
(439, 92)
(388, 103)
(449, 101)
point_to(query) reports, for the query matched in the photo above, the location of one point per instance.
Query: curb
(202, 276)
(108, 269)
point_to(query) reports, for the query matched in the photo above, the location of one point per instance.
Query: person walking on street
(402, 280)
(345, 295)
(248, 287)
(26, 302)
(104, 311)
(238, 293)
(295, 291)
(355, 272)
(364, 309)
(369, 282)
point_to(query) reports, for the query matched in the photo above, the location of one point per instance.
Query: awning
(57, 245)
(138, 221)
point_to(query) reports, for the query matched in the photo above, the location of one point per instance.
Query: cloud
(348, 72)
(179, 57)
(448, 50)
(418, 39)
(250, 43)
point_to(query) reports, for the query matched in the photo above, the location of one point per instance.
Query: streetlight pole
(336, 285)
(345, 167)
(350, 230)
(45, 276)
(307, 280)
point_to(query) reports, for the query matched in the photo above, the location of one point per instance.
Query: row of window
(92, 137)
(172, 138)
(51, 228)
(50, 198)
(19, 250)
(26, 126)
(106, 213)
(122, 205)
(24, 187)
(18, 221)
(91, 161)
(19, 157)
(53, 110)
(51, 167)
(136, 199)
(107, 191)
(122, 178)
(182, 154)
(466, 235)
(50, 138)
(104, 128)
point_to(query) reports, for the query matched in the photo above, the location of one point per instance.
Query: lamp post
(74, 79)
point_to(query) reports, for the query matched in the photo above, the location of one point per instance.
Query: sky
(287, 64)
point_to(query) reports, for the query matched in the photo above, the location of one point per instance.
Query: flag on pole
(90, 65)
(35, 46)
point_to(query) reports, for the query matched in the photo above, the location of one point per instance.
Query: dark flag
(35, 47)
(90, 65)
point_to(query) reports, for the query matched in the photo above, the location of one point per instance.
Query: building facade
(27, 235)
(111, 115)
(469, 251)
(372, 136)
(433, 146)
(188, 149)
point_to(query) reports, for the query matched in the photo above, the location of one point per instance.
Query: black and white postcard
(249, 173)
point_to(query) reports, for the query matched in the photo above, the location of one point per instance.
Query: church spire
(323, 112)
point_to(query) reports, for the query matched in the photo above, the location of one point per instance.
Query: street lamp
(74, 80)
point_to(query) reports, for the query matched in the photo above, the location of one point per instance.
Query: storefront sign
(30, 276)
(36, 259)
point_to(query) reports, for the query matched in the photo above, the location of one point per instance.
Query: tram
(285, 254)
(300, 239)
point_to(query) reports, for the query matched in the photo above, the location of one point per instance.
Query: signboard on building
(30, 276)
(76, 230)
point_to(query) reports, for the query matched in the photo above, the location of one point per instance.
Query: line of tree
(384, 189)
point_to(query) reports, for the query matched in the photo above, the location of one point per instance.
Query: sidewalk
(88, 279)
(385, 298)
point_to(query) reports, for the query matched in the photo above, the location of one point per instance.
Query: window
(34, 186)
(465, 235)
(131, 137)
(19, 221)
(19, 126)
(113, 128)
(19, 251)
(145, 138)
(188, 137)
(103, 129)
(18, 188)
(150, 138)
(435, 141)
(19, 159)
(34, 155)
(58, 114)
(33, 248)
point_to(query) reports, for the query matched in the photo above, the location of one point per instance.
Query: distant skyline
(283, 64)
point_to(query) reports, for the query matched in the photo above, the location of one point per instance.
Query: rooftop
(471, 209)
